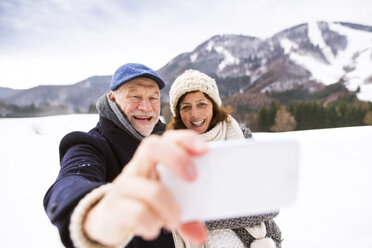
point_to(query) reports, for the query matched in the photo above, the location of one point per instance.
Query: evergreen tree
(332, 118)
(251, 122)
(263, 119)
(266, 117)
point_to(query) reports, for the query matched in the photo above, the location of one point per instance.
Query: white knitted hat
(193, 80)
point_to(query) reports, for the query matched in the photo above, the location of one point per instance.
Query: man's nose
(145, 105)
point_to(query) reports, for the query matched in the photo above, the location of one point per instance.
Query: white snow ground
(333, 209)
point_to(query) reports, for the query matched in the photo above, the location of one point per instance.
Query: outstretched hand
(138, 204)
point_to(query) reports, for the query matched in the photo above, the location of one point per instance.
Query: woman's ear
(112, 96)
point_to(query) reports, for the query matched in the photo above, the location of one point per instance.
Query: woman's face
(196, 111)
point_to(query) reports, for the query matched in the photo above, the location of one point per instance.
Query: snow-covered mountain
(7, 92)
(74, 97)
(310, 54)
(345, 54)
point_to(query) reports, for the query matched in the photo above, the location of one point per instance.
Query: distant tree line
(12, 110)
(297, 109)
(290, 110)
(302, 115)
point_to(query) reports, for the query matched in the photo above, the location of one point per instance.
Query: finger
(155, 150)
(194, 232)
(154, 194)
(174, 150)
(187, 139)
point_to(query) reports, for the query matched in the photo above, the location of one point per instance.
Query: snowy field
(333, 209)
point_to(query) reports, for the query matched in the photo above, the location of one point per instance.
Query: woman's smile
(198, 123)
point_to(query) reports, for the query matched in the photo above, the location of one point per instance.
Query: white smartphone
(237, 178)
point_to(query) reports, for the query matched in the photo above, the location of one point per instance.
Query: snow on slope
(327, 73)
(229, 58)
(288, 45)
(315, 36)
(357, 57)
(358, 54)
(333, 195)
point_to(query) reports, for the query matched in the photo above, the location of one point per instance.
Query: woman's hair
(220, 113)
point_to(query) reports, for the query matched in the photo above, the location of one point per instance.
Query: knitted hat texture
(193, 80)
(131, 71)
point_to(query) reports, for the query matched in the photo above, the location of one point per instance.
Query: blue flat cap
(131, 71)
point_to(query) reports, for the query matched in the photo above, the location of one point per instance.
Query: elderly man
(107, 193)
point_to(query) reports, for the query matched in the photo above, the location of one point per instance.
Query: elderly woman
(196, 104)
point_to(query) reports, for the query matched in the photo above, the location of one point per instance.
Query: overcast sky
(66, 41)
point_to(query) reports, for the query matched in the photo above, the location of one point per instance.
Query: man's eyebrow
(141, 84)
(131, 90)
(135, 89)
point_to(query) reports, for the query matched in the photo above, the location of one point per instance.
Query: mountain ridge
(307, 56)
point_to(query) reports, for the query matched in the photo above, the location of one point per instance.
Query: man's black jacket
(89, 160)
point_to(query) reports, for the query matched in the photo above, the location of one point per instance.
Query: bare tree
(284, 121)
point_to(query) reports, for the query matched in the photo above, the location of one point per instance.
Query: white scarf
(228, 129)
(224, 130)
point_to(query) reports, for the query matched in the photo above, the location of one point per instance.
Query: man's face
(139, 99)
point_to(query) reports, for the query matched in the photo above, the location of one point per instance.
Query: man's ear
(112, 96)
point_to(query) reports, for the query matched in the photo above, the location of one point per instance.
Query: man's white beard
(144, 130)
